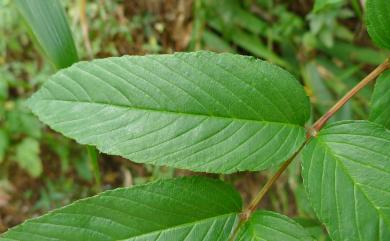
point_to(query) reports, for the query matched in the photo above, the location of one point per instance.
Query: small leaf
(322, 96)
(323, 4)
(351, 53)
(313, 227)
(172, 210)
(4, 143)
(215, 42)
(20, 121)
(3, 89)
(200, 111)
(27, 156)
(50, 28)
(378, 22)
(380, 110)
(271, 226)
(346, 172)
(249, 42)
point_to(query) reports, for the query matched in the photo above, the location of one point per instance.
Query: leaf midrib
(31, 102)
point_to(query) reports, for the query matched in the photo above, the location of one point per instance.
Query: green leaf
(253, 45)
(200, 111)
(4, 143)
(27, 156)
(20, 121)
(250, 43)
(271, 226)
(380, 110)
(346, 172)
(313, 227)
(180, 209)
(348, 53)
(216, 43)
(247, 20)
(234, 16)
(323, 4)
(3, 88)
(50, 28)
(378, 22)
(322, 96)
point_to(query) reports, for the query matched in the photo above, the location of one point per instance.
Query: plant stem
(245, 215)
(255, 201)
(373, 75)
(312, 132)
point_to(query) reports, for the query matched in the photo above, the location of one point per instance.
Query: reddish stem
(372, 76)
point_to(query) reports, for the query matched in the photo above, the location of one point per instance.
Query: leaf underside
(271, 226)
(180, 209)
(201, 111)
(380, 103)
(378, 21)
(346, 172)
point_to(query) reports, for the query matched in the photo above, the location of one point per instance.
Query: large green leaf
(50, 28)
(380, 110)
(271, 226)
(172, 210)
(200, 111)
(346, 172)
(378, 21)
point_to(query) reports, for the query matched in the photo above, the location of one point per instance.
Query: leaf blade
(170, 210)
(271, 226)
(380, 102)
(320, 5)
(27, 156)
(378, 22)
(49, 26)
(340, 171)
(200, 111)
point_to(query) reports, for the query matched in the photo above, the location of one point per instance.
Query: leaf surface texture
(173, 210)
(201, 111)
(378, 22)
(380, 103)
(271, 226)
(48, 23)
(346, 172)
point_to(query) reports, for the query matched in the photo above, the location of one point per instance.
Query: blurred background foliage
(323, 43)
